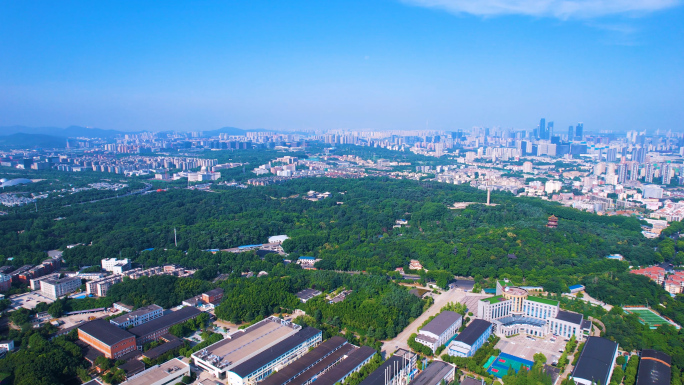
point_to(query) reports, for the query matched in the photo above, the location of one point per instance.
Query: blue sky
(291, 65)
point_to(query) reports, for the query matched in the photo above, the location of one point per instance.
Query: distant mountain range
(230, 131)
(69, 132)
(55, 137)
(76, 131)
(22, 140)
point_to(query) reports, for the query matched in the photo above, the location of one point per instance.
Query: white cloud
(562, 9)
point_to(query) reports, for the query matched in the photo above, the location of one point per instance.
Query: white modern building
(138, 317)
(6, 346)
(170, 372)
(278, 239)
(116, 266)
(568, 324)
(652, 191)
(252, 354)
(514, 311)
(438, 331)
(55, 288)
(34, 283)
(203, 175)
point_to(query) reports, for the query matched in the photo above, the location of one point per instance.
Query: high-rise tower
(579, 131)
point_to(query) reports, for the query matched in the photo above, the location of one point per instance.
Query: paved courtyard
(523, 347)
(471, 301)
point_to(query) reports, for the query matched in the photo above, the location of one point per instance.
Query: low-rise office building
(171, 342)
(154, 329)
(170, 372)
(138, 317)
(213, 296)
(438, 331)
(437, 372)
(307, 294)
(567, 324)
(86, 276)
(239, 357)
(276, 357)
(470, 339)
(6, 346)
(209, 299)
(123, 307)
(352, 363)
(596, 362)
(395, 370)
(116, 266)
(107, 338)
(312, 364)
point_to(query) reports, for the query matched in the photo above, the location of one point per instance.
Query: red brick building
(213, 296)
(107, 338)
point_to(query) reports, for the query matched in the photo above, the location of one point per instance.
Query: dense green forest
(164, 290)
(44, 362)
(354, 231)
(376, 307)
(355, 235)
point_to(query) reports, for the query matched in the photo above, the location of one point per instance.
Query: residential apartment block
(5, 282)
(55, 288)
(99, 287)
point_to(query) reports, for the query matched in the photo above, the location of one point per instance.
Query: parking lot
(78, 319)
(524, 347)
(28, 300)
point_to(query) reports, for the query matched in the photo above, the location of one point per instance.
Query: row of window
(291, 355)
(538, 311)
(501, 311)
(562, 329)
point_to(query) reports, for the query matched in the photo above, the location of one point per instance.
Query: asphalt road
(399, 342)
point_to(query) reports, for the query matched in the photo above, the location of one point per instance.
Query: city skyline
(388, 65)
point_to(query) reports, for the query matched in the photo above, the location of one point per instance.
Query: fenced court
(649, 317)
(499, 366)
